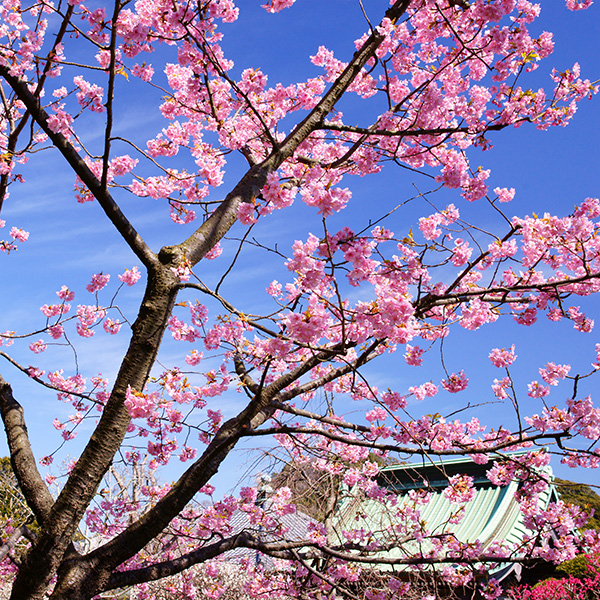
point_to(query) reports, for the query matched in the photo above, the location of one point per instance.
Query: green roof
(493, 516)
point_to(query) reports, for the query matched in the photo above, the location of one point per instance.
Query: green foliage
(14, 511)
(581, 495)
(12, 503)
(580, 567)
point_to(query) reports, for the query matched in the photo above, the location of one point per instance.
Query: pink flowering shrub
(570, 587)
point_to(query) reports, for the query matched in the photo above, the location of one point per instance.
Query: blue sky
(551, 171)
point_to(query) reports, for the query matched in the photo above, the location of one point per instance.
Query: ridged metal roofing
(492, 517)
(295, 527)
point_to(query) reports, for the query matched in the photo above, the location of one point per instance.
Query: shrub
(585, 586)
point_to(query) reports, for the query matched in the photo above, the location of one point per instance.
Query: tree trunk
(43, 560)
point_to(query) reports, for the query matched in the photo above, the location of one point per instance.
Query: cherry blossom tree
(431, 79)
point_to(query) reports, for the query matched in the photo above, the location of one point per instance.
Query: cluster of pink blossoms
(277, 5)
(16, 234)
(428, 99)
(502, 357)
(87, 315)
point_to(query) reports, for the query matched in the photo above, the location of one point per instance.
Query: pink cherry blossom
(455, 383)
(277, 5)
(503, 358)
(499, 387)
(99, 281)
(578, 4)
(19, 234)
(89, 315)
(553, 373)
(111, 326)
(377, 414)
(536, 390)
(214, 252)
(460, 489)
(504, 194)
(413, 355)
(182, 331)
(89, 95)
(194, 358)
(65, 294)
(56, 331)
(60, 122)
(55, 309)
(424, 390)
(461, 252)
(130, 276)
(38, 346)
(140, 405)
(596, 364)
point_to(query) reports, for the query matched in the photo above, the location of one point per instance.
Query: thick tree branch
(110, 207)
(368, 131)
(167, 568)
(289, 550)
(22, 531)
(222, 219)
(152, 523)
(16, 129)
(485, 447)
(498, 294)
(68, 509)
(23, 462)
